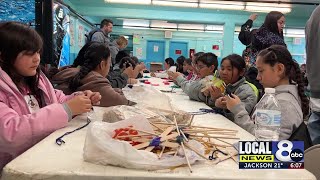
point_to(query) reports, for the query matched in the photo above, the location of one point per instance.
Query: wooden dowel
(222, 137)
(182, 145)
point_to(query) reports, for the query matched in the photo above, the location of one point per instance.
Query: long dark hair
(93, 56)
(169, 61)
(208, 59)
(271, 22)
(15, 38)
(280, 54)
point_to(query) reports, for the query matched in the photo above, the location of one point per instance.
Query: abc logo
(285, 152)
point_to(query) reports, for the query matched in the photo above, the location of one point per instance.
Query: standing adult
(270, 33)
(101, 35)
(313, 73)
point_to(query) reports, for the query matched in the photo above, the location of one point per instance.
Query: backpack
(302, 134)
(89, 36)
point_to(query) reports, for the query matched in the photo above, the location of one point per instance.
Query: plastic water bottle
(268, 117)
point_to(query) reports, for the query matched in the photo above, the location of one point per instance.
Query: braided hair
(280, 54)
(93, 56)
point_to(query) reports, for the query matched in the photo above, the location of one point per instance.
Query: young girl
(187, 68)
(232, 70)
(277, 70)
(206, 65)
(169, 67)
(91, 75)
(30, 108)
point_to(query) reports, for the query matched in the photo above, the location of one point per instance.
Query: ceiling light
(129, 1)
(188, 3)
(231, 5)
(267, 7)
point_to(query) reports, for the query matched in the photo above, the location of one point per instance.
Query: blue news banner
(271, 154)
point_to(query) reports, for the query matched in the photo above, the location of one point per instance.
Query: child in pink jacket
(30, 109)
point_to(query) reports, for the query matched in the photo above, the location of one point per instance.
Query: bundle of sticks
(168, 138)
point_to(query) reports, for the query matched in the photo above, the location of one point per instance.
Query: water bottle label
(268, 117)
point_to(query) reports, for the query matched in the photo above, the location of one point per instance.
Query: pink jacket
(19, 129)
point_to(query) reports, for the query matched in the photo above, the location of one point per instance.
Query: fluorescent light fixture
(129, 1)
(191, 30)
(230, 5)
(134, 27)
(214, 27)
(294, 32)
(191, 26)
(163, 24)
(163, 29)
(185, 3)
(136, 22)
(267, 7)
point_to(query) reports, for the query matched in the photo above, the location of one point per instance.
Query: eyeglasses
(199, 67)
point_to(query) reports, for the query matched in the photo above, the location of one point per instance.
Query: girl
(180, 62)
(232, 70)
(270, 33)
(277, 69)
(91, 75)
(206, 65)
(187, 68)
(169, 67)
(30, 108)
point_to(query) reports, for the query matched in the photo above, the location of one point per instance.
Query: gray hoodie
(313, 53)
(114, 49)
(291, 112)
(241, 88)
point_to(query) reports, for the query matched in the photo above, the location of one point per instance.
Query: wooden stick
(160, 155)
(150, 148)
(213, 128)
(145, 132)
(167, 131)
(226, 137)
(134, 135)
(214, 133)
(233, 158)
(156, 126)
(182, 145)
(224, 141)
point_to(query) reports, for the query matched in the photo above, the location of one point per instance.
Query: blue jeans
(314, 127)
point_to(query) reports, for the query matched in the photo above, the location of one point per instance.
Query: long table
(47, 160)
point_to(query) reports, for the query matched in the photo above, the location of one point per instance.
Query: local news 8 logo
(287, 151)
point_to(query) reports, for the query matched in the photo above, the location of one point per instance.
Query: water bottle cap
(270, 90)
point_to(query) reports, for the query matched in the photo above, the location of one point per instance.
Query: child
(180, 62)
(117, 45)
(30, 108)
(169, 66)
(187, 68)
(276, 69)
(91, 75)
(206, 65)
(233, 68)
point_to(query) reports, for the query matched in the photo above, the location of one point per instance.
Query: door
(155, 52)
(178, 49)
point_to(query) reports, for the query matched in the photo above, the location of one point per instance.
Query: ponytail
(93, 56)
(296, 76)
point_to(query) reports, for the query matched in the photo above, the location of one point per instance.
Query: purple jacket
(19, 129)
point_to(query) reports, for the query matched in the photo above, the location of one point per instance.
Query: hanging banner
(61, 35)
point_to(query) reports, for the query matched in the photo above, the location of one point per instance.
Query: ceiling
(301, 9)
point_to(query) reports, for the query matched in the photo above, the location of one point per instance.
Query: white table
(46, 160)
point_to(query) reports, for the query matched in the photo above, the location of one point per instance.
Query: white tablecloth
(47, 160)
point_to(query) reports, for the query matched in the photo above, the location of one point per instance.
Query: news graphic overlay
(271, 154)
